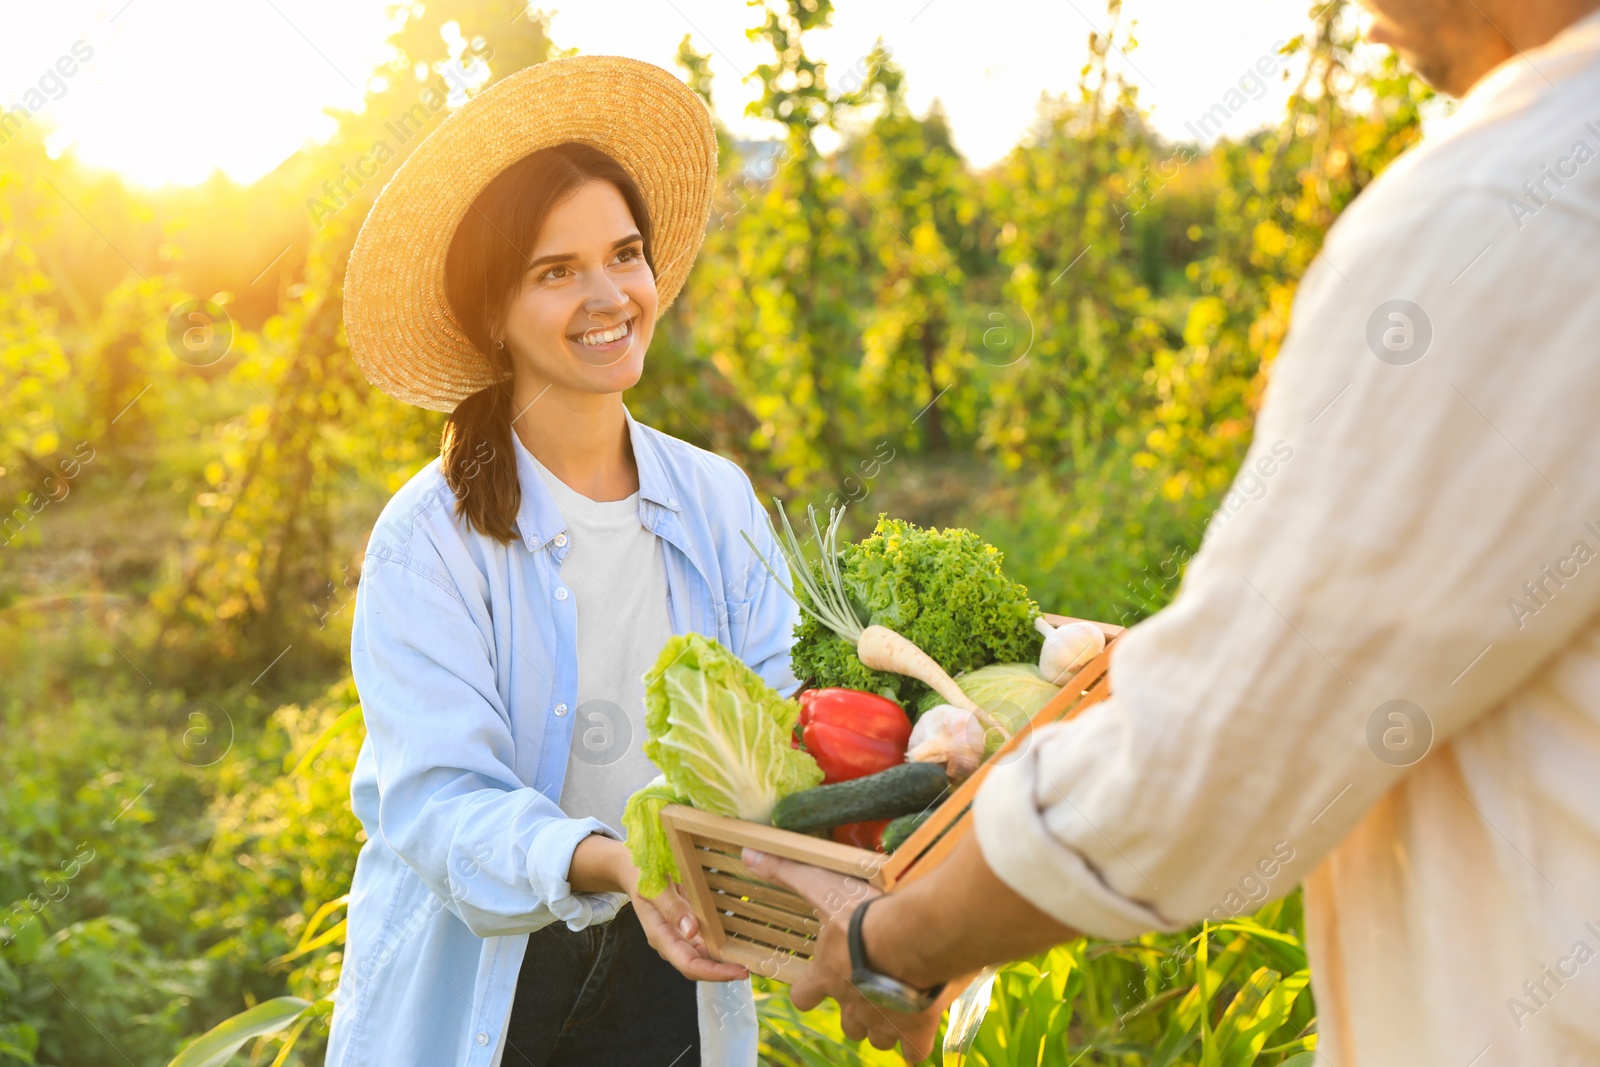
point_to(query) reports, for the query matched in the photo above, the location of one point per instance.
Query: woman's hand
(672, 930)
(601, 864)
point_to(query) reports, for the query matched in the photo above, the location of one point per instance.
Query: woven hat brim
(401, 329)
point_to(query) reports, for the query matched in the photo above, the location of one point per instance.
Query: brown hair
(487, 258)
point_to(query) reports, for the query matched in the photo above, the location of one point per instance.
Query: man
(1381, 677)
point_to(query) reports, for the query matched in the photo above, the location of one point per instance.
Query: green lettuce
(720, 737)
(942, 590)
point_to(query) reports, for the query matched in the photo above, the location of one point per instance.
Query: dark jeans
(600, 997)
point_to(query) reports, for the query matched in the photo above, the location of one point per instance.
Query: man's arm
(977, 918)
(941, 928)
(974, 918)
(1367, 561)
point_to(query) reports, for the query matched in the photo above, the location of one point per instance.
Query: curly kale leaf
(943, 590)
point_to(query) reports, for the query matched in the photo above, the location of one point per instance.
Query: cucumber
(895, 834)
(900, 790)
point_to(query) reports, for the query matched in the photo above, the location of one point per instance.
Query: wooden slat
(712, 855)
(712, 858)
(816, 851)
(787, 940)
(770, 963)
(938, 851)
(696, 888)
(765, 893)
(806, 924)
(1109, 629)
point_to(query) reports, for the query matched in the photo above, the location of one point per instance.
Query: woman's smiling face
(582, 316)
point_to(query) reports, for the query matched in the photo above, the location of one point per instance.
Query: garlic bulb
(948, 735)
(1067, 648)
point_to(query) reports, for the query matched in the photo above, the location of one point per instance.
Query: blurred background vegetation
(1063, 352)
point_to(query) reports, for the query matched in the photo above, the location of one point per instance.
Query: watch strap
(880, 988)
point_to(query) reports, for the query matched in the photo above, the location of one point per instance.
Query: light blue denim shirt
(464, 653)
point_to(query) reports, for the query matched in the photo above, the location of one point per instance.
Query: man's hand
(835, 897)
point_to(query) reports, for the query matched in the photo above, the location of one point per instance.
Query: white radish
(882, 649)
(1067, 648)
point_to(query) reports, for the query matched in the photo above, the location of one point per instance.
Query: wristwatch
(880, 989)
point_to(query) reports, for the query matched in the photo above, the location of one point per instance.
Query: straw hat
(402, 331)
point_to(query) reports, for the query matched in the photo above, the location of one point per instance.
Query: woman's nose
(604, 299)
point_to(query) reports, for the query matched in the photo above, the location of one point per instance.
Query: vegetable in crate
(867, 835)
(720, 736)
(850, 733)
(897, 791)
(895, 834)
(1067, 648)
(898, 611)
(1011, 693)
(950, 738)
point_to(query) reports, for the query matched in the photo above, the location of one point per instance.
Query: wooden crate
(769, 929)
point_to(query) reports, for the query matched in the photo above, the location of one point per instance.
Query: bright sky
(173, 89)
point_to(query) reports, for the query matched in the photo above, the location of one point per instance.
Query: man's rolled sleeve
(1012, 816)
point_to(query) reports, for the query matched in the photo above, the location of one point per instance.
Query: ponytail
(480, 464)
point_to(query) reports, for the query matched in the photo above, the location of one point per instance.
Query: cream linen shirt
(1422, 527)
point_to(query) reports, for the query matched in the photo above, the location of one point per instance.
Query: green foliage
(927, 586)
(1233, 995)
(216, 1046)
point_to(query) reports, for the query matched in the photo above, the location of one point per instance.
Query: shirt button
(561, 540)
(561, 709)
(483, 1039)
(672, 502)
(561, 594)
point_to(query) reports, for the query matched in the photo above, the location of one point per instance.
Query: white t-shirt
(615, 572)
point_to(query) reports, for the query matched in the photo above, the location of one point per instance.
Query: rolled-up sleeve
(495, 851)
(1357, 603)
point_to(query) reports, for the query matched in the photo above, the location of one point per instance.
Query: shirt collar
(654, 484)
(539, 519)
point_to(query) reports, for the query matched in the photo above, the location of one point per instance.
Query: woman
(515, 590)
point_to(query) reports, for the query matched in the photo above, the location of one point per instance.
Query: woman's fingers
(688, 956)
(691, 964)
(678, 914)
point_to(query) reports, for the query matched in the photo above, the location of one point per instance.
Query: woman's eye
(552, 273)
(628, 255)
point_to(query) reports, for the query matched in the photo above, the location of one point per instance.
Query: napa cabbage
(720, 736)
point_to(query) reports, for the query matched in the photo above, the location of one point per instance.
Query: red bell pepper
(862, 834)
(852, 734)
